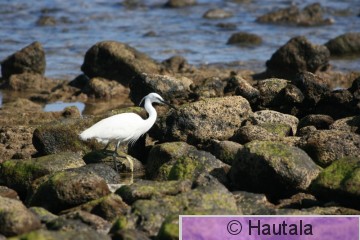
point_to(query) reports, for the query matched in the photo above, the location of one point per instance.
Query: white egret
(124, 127)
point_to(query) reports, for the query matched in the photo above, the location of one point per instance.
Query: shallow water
(80, 24)
(59, 106)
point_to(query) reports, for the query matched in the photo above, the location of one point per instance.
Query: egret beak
(141, 101)
(168, 104)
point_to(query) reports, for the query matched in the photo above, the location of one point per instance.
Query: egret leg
(107, 145)
(115, 155)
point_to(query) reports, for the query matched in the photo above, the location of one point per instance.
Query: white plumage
(124, 127)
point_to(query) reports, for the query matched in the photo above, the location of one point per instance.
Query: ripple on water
(60, 106)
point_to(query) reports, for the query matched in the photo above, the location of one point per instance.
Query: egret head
(155, 98)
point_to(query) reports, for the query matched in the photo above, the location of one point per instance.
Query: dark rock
(117, 61)
(88, 234)
(311, 15)
(169, 228)
(217, 14)
(349, 124)
(145, 189)
(276, 169)
(44, 215)
(67, 189)
(219, 118)
(224, 150)
(180, 3)
(326, 146)
(103, 171)
(253, 203)
(210, 87)
(250, 133)
(313, 87)
(79, 220)
(129, 234)
(15, 218)
(345, 44)
(46, 21)
(306, 130)
(178, 161)
(297, 55)
(101, 88)
(242, 88)
(19, 174)
(317, 120)
(299, 201)
(108, 207)
(244, 39)
(270, 92)
(63, 136)
(227, 26)
(31, 82)
(293, 94)
(30, 59)
(340, 182)
(337, 104)
(176, 64)
(168, 87)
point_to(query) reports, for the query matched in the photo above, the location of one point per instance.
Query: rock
(180, 161)
(306, 130)
(345, 44)
(15, 218)
(102, 88)
(270, 92)
(299, 201)
(44, 215)
(19, 174)
(63, 136)
(102, 170)
(210, 87)
(224, 150)
(15, 141)
(244, 39)
(340, 182)
(338, 104)
(250, 133)
(31, 82)
(242, 88)
(68, 189)
(312, 86)
(46, 21)
(326, 146)
(311, 15)
(217, 14)
(227, 26)
(168, 87)
(117, 61)
(297, 55)
(266, 117)
(148, 215)
(180, 3)
(169, 228)
(318, 211)
(108, 207)
(349, 124)
(79, 220)
(253, 203)
(176, 64)
(22, 105)
(107, 159)
(293, 94)
(130, 234)
(219, 118)
(88, 234)
(276, 169)
(317, 120)
(8, 193)
(30, 59)
(145, 189)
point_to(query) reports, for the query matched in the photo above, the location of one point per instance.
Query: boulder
(266, 117)
(217, 13)
(8, 192)
(209, 88)
(15, 218)
(242, 88)
(311, 15)
(67, 189)
(317, 120)
(213, 118)
(19, 174)
(253, 203)
(117, 61)
(345, 44)
(180, 161)
(169, 228)
(349, 124)
(250, 133)
(225, 151)
(270, 92)
(297, 55)
(30, 82)
(176, 64)
(30, 59)
(169, 87)
(102, 88)
(276, 169)
(88, 234)
(340, 182)
(326, 146)
(244, 39)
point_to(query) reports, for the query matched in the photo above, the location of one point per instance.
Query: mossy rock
(169, 229)
(340, 182)
(43, 234)
(279, 129)
(19, 174)
(273, 168)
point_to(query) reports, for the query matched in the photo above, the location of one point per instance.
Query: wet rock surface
(279, 142)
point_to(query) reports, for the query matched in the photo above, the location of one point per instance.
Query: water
(82, 23)
(59, 106)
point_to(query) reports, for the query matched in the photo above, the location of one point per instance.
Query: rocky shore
(284, 141)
